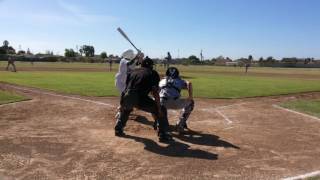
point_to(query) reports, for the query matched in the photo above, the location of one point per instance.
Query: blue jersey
(171, 88)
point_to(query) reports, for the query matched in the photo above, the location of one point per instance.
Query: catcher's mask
(172, 72)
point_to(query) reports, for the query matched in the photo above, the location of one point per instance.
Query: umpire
(140, 82)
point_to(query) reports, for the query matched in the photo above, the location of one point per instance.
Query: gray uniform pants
(186, 105)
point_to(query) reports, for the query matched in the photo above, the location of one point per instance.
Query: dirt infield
(56, 136)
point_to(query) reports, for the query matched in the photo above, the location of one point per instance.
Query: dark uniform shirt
(142, 80)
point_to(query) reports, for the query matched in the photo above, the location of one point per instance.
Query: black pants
(133, 99)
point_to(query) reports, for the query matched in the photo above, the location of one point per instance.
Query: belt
(168, 98)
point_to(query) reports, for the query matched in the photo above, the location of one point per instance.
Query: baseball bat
(127, 38)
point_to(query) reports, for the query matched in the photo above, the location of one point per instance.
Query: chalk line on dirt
(304, 176)
(224, 116)
(217, 109)
(296, 112)
(221, 107)
(227, 106)
(64, 96)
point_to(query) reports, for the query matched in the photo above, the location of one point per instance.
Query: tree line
(86, 53)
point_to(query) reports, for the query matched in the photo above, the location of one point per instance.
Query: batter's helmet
(128, 54)
(172, 72)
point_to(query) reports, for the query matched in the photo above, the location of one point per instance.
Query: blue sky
(233, 28)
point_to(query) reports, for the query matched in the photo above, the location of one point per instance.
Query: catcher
(170, 97)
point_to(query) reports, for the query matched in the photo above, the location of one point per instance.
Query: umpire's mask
(147, 63)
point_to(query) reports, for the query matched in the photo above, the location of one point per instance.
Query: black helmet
(147, 62)
(172, 72)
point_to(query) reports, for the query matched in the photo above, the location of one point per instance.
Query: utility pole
(201, 55)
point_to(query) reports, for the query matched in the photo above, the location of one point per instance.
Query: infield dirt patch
(56, 137)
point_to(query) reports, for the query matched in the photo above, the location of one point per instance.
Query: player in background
(11, 62)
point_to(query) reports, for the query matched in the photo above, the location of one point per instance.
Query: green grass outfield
(207, 85)
(6, 97)
(311, 107)
(314, 178)
(262, 71)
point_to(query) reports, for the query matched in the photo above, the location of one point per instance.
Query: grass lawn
(205, 85)
(57, 64)
(6, 97)
(314, 178)
(82, 83)
(224, 86)
(311, 107)
(190, 69)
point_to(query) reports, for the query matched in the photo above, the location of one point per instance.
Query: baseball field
(6, 97)
(57, 122)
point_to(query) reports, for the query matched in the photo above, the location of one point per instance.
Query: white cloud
(80, 14)
(38, 18)
(61, 14)
(50, 25)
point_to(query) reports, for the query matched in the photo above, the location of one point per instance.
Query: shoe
(180, 127)
(165, 137)
(117, 115)
(155, 125)
(119, 133)
(185, 126)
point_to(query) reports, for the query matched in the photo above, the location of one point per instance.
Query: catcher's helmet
(172, 72)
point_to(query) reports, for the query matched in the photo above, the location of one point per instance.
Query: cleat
(117, 115)
(165, 137)
(155, 125)
(185, 126)
(180, 127)
(119, 133)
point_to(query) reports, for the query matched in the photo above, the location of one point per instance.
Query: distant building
(233, 63)
(221, 61)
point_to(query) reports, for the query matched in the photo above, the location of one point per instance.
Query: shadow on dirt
(179, 149)
(193, 137)
(145, 121)
(174, 149)
(199, 138)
